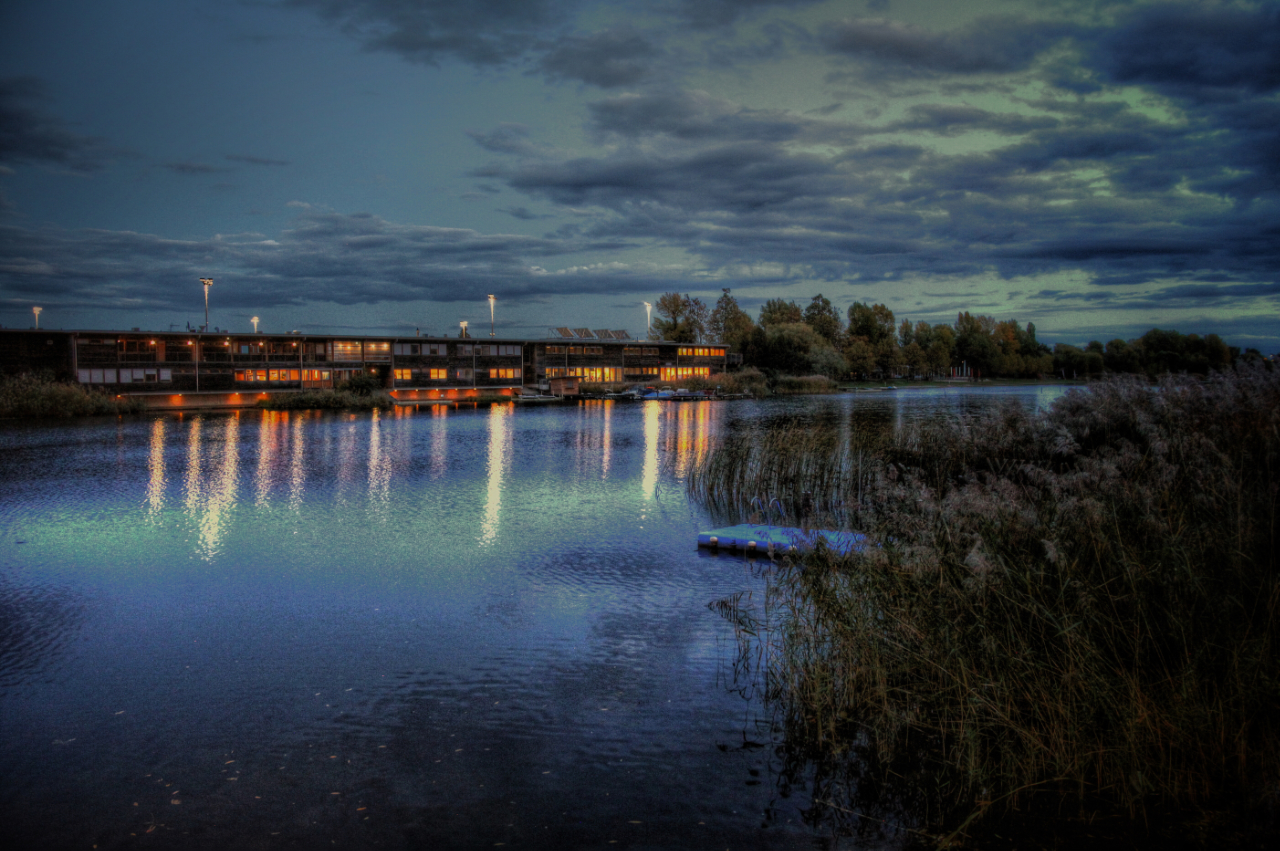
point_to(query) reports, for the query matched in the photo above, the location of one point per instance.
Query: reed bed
(32, 396)
(1083, 601)
(325, 399)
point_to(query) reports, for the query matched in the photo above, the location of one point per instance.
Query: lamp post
(206, 282)
(254, 320)
(648, 320)
(492, 299)
(36, 311)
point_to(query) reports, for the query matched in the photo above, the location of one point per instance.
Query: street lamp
(254, 320)
(648, 321)
(36, 311)
(206, 282)
(492, 299)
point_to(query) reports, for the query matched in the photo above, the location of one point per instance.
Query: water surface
(437, 627)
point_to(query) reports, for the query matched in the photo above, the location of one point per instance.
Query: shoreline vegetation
(1066, 619)
(35, 396)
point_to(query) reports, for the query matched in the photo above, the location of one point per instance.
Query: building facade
(237, 369)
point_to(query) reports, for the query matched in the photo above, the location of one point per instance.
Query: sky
(1096, 167)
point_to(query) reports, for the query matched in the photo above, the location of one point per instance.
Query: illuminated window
(504, 373)
(404, 374)
(438, 374)
(346, 350)
(315, 374)
(677, 373)
(590, 373)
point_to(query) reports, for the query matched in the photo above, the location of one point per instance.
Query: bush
(30, 396)
(1084, 599)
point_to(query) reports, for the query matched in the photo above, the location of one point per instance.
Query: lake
(437, 627)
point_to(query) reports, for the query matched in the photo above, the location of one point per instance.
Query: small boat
(535, 399)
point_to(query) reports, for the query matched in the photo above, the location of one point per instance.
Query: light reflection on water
(485, 617)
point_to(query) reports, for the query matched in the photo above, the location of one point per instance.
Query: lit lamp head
(254, 320)
(36, 311)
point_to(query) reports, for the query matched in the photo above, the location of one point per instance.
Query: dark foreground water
(435, 628)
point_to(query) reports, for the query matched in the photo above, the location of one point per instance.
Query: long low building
(203, 369)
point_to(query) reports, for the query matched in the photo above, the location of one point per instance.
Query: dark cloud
(194, 168)
(1194, 50)
(506, 139)
(990, 45)
(706, 14)
(29, 134)
(325, 257)
(954, 119)
(479, 32)
(695, 116)
(249, 160)
(608, 59)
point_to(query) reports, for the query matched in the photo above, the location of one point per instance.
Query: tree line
(868, 343)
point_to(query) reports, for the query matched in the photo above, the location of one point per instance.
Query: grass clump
(28, 395)
(1083, 600)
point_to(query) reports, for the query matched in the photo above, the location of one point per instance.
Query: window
(464, 374)
(377, 351)
(438, 374)
(555, 350)
(408, 348)
(676, 373)
(575, 350)
(641, 372)
(650, 350)
(249, 348)
(315, 375)
(437, 349)
(404, 374)
(590, 373)
(504, 373)
(137, 347)
(497, 351)
(346, 350)
(464, 349)
(632, 350)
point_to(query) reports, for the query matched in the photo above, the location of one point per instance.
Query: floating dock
(760, 538)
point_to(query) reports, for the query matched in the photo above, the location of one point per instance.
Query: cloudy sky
(1097, 167)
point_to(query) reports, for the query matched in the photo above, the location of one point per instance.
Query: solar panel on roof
(621, 335)
(604, 335)
(584, 333)
(564, 332)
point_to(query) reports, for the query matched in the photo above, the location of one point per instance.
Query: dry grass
(31, 396)
(1083, 600)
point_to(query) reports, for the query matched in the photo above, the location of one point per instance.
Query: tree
(681, 319)
(729, 323)
(775, 311)
(873, 323)
(860, 356)
(822, 317)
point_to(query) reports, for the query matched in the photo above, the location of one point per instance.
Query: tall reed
(28, 395)
(1084, 599)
